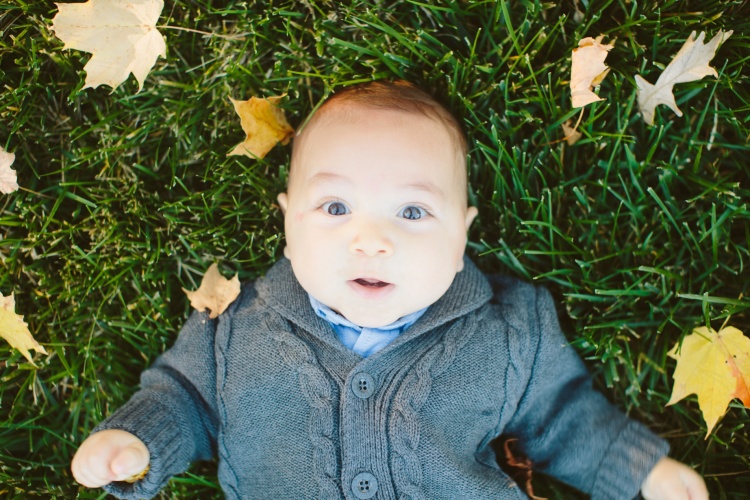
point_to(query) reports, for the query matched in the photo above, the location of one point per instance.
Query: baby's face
(376, 215)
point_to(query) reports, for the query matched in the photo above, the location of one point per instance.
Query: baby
(375, 360)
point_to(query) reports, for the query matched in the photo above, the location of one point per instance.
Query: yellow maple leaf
(15, 330)
(8, 178)
(264, 124)
(215, 292)
(587, 70)
(689, 64)
(121, 35)
(715, 367)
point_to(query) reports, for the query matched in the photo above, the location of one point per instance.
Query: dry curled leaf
(689, 64)
(521, 468)
(264, 124)
(121, 35)
(15, 330)
(572, 135)
(715, 367)
(215, 292)
(8, 178)
(588, 70)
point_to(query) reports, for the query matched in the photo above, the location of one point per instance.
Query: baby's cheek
(460, 265)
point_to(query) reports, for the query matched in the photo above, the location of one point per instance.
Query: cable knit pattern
(317, 391)
(404, 428)
(269, 387)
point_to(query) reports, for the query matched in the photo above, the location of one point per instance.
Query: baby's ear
(471, 213)
(283, 200)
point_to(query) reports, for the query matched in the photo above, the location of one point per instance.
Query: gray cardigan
(291, 413)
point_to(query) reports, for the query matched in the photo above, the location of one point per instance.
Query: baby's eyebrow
(423, 186)
(427, 187)
(322, 177)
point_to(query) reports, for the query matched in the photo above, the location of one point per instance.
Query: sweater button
(363, 385)
(364, 485)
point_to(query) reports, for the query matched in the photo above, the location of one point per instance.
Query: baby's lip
(371, 282)
(371, 288)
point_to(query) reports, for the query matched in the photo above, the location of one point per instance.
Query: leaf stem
(206, 33)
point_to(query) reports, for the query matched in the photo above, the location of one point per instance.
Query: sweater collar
(283, 293)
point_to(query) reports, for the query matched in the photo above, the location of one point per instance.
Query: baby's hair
(398, 95)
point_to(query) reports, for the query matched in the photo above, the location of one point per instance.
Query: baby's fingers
(694, 484)
(91, 470)
(672, 480)
(109, 455)
(130, 461)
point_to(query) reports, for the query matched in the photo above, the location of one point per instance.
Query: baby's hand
(110, 455)
(672, 480)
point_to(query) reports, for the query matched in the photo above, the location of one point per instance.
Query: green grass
(642, 233)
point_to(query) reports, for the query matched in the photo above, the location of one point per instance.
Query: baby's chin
(372, 320)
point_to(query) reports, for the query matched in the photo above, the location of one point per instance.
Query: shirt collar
(335, 318)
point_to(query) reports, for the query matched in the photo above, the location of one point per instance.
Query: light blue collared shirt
(363, 341)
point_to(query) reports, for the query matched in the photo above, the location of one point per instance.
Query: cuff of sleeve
(627, 463)
(145, 418)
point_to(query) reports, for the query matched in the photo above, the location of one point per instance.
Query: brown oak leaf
(215, 292)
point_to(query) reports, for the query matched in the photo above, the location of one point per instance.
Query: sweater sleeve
(568, 429)
(174, 412)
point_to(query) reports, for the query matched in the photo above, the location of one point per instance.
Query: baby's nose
(371, 240)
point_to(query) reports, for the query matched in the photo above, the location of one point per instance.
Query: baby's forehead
(343, 127)
(336, 114)
(317, 147)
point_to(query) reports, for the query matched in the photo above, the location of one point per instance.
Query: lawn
(642, 233)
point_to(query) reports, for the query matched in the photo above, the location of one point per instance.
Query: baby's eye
(413, 213)
(335, 208)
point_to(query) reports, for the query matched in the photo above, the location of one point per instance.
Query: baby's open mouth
(371, 283)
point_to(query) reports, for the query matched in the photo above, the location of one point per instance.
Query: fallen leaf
(264, 125)
(15, 330)
(522, 468)
(572, 135)
(715, 367)
(215, 292)
(121, 35)
(8, 178)
(588, 70)
(689, 64)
